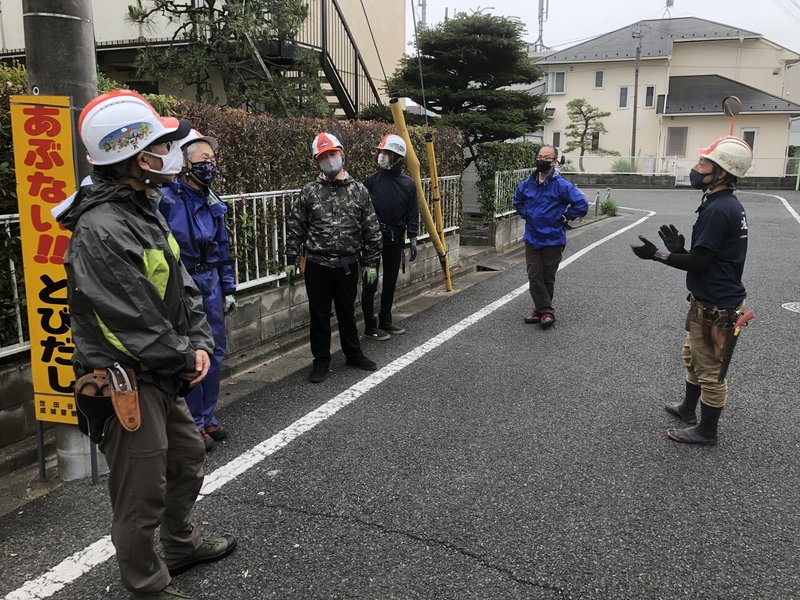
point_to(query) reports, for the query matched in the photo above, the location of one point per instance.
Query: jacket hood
(103, 189)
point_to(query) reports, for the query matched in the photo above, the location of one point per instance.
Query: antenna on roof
(669, 5)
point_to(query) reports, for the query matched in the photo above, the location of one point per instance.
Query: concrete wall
(506, 232)
(266, 321)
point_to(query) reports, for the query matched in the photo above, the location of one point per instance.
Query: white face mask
(172, 161)
(331, 165)
(384, 162)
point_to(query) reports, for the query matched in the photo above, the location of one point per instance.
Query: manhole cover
(792, 306)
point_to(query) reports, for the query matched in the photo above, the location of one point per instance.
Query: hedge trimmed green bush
(500, 156)
(259, 152)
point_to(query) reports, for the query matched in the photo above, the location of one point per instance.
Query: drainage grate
(792, 306)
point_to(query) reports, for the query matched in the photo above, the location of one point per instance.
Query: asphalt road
(497, 460)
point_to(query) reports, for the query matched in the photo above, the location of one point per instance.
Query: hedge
(259, 152)
(500, 156)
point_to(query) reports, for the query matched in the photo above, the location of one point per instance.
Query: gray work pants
(155, 476)
(542, 267)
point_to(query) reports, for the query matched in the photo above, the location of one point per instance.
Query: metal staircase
(345, 78)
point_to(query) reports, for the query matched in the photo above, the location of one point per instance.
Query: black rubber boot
(686, 410)
(705, 432)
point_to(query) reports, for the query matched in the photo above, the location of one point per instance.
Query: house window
(554, 82)
(749, 136)
(556, 139)
(649, 96)
(676, 141)
(595, 145)
(623, 97)
(598, 79)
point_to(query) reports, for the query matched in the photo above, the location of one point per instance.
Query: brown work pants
(155, 476)
(702, 366)
(542, 268)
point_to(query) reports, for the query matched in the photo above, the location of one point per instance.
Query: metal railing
(325, 30)
(505, 183)
(258, 229)
(13, 317)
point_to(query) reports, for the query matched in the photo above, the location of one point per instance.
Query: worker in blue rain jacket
(196, 216)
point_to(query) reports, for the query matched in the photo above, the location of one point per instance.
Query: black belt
(204, 267)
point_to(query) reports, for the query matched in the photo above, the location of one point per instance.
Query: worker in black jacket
(394, 197)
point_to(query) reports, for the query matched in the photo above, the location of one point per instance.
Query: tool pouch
(93, 401)
(125, 397)
(717, 329)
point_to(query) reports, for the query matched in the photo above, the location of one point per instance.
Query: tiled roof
(698, 94)
(657, 38)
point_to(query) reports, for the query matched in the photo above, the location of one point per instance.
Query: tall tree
(241, 41)
(584, 124)
(468, 64)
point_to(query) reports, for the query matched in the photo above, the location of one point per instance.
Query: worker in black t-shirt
(714, 264)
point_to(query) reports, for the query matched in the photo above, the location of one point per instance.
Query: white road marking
(785, 202)
(100, 551)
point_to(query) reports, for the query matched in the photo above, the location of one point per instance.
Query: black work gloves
(674, 241)
(647, 251)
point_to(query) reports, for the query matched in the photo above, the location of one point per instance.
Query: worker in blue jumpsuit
(196, 216)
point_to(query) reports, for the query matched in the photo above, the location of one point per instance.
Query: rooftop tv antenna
(669, 5)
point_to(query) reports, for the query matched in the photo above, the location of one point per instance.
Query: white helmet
(119, 124)
(325, 142)
(393, 143)
(731, 153)
(196, 136)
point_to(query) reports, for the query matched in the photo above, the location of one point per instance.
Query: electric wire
(419, 63)
(374, 43)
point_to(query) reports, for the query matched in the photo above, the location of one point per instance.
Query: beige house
(341, 31)
(686, 67)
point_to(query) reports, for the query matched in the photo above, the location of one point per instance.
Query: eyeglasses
(545, 158)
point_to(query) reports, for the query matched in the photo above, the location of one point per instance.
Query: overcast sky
(572, 21)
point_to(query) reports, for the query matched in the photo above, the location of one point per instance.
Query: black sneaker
(392, 329)
(319, 371)
(374, 333)
(362, 362)
(209, 550)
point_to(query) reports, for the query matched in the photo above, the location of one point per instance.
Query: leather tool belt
(716, 323)
(104, 393)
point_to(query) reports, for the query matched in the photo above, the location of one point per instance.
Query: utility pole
(60, 60)
(423, 13)
(637, 34)
(59, 53)
(544, 9)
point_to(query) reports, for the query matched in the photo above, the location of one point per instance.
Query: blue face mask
(204, 172)
(696, 180)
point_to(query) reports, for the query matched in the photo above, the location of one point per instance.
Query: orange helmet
(325, 142)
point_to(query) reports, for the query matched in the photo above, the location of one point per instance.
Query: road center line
(83, 561)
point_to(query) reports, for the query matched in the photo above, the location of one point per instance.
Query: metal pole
(636, 34)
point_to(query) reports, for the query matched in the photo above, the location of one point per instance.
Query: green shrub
(623, 165)
(609, 207)
(500, 156)
(259, 152)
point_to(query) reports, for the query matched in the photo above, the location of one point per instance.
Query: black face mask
(543, 166)
(204, 172)
(696, 180)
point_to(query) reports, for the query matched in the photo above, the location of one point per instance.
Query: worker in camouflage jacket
(334, 225)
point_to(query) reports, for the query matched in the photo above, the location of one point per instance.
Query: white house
(685, 68)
